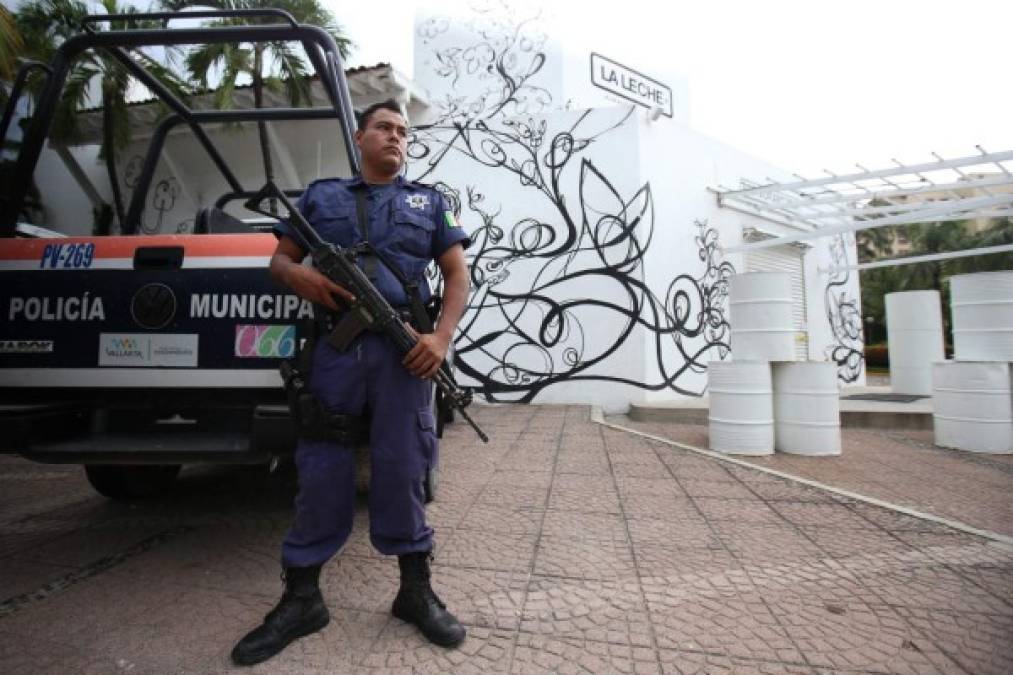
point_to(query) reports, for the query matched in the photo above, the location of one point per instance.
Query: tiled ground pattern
(565, 546)
(899, 467)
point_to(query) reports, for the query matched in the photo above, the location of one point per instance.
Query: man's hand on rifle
(307, 282)
(425, 358)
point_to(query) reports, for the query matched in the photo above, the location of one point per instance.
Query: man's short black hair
(390, 104)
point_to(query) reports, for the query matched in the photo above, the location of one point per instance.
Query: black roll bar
(195, 14)
(320, 46)
(27, 66)
(136, 210)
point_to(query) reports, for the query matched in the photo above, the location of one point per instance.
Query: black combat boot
(300, 611)
(417, 603)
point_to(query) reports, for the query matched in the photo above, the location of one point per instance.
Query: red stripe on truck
(203, 245)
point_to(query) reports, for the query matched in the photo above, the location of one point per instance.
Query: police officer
(411, 225)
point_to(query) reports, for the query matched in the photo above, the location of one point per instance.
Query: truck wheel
(127, 482)
(431, 483)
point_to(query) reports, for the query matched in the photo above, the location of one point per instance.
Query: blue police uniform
(411, 225)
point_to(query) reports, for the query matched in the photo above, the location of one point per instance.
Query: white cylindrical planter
(741, 407)
(807, 408)
(973, 406)
(760, 317)
(914, 327)
(982, 306)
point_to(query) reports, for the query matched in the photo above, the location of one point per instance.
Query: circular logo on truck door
(153, 306)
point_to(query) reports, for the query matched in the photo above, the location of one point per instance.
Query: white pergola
(977, 186)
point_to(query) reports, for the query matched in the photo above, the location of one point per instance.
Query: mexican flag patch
(448, 217)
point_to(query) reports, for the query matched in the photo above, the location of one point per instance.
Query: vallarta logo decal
(162, 350)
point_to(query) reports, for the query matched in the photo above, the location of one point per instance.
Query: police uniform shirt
(409, 223)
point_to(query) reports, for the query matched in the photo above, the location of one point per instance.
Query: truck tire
(126, 482)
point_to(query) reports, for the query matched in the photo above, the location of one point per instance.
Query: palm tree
(45, 24)
(11, 45)
(276, 66)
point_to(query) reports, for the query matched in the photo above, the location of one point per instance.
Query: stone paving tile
(689, 532)
(979, 643)
(660, 507)
(682, 465)
(805, 514)
(745, 511)
(481, 597)
(996, 580)
(83, 546)
(583, 464)
(458, 493)
(933, 587)
(701, 663)
(507, 520)
(738, 625)
(54, 657)
(489, 550)
(900, 468)
(787, 491)
(628, 486)
(943, 540)
(539, 479)
(669, 561)
(24, 576)
(849, 634)
(584, 500)
(765, 544)
(714, 488)
(516, 496)
(528, 461)
(845, 543)
(74, 614)
(443, 515)
(569, 481)
(607, 559)
(536, 654)
(601, 611)
(400, 648)
(584, 526)
(199, 632)
(827, 575)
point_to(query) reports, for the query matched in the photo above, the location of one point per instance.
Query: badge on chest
(417, 201)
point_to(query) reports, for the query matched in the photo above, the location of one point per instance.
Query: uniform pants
(367, 377)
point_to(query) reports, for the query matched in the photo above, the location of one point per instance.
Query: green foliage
(44, 25)
(274, 66)
(877, 355)
(926, 239)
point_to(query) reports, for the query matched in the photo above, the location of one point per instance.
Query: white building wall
(632, 191)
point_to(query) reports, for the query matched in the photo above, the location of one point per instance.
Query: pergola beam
(973, 160)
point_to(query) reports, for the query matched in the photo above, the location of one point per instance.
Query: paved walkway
(564, 545)
(904, 468)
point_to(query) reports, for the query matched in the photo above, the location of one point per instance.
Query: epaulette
(419, 184)
(334, 179)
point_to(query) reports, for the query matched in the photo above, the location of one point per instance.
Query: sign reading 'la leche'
(629, 84)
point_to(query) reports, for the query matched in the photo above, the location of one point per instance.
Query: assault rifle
(370, 311)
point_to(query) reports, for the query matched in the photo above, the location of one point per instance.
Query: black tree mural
(558, 292)
(844, 316)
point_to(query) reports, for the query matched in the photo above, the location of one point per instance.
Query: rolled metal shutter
(788, 259)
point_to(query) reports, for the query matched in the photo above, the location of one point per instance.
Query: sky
(805, 85)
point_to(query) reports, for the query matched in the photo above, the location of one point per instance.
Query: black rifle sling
(416, 306)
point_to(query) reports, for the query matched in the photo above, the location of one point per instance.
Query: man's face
(383, 142)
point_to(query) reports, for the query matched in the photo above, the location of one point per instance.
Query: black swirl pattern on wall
(844, 316)
(558, 294)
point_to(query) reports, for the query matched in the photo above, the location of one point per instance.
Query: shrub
(877, 356)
